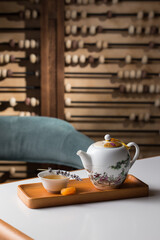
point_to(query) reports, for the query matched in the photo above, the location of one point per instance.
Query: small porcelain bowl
(53, 182)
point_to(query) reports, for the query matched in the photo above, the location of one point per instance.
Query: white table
(133, 219)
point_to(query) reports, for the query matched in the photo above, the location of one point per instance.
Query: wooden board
(35, 196)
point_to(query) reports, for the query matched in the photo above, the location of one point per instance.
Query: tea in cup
(53, 182)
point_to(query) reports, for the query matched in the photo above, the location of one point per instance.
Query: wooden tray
(35, 196)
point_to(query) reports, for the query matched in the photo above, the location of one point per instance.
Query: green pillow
(41, 140)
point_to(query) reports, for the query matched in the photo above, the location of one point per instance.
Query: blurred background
(92, 63)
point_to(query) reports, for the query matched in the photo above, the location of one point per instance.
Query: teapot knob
(107, 137)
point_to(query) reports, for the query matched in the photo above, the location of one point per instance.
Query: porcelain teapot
(108, 162)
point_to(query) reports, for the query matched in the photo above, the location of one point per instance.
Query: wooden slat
(124, 111)
(138, 138)
(20, 82)
(129, 6)
(18, 36)
(19, 96)
(94, 127)
(95, 98)
(112, 68)
(48, 58)
(116, 38)
(60, 59)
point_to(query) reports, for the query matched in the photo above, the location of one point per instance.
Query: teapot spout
(86, 159)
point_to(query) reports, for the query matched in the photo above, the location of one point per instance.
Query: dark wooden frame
(60, 59)
(52, 68)
(52, 58)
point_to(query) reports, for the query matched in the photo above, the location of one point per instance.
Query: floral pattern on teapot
(104, 180)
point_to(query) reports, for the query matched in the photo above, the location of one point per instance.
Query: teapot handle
(136, 153)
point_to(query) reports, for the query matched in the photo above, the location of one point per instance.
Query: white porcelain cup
(53, 185)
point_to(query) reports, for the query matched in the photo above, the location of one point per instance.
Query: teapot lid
(110, 143)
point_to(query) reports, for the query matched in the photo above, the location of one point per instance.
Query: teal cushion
(41, 139)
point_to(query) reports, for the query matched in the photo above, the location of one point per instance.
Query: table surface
(136, 218)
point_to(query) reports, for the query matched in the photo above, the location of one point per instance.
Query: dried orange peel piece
(68, 191)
